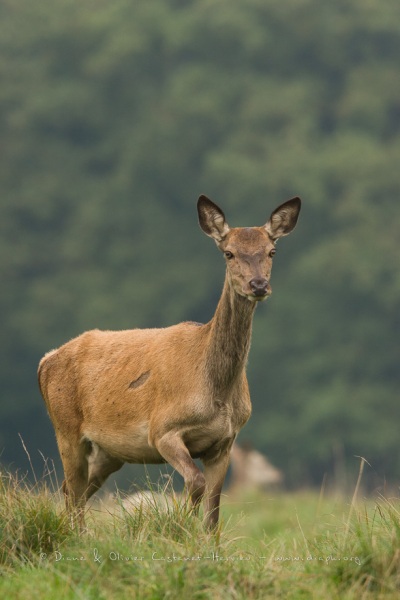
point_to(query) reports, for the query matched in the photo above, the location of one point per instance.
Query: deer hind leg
(75, 484)
(174, 451)
(101, 465)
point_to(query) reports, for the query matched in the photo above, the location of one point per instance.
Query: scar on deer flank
(165, 395)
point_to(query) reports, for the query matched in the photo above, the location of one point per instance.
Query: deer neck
(230, 337)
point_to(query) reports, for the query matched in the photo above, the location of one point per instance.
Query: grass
(298, 545)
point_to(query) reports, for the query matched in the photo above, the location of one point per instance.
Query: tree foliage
(114, 117)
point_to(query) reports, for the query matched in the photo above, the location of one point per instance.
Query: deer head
(248, 251)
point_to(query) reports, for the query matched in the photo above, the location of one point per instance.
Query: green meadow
(305, 544)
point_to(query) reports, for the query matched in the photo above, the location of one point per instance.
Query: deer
(251, 470)
(165, 395)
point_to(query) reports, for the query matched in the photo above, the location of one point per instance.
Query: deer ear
(284, 218)
(212, 219)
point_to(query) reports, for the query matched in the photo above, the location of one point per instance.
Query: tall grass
(30, 520)
(268, 546)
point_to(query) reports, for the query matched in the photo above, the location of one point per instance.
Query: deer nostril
(259, 286)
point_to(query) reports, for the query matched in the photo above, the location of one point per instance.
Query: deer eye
(272, 253)
(228, 255)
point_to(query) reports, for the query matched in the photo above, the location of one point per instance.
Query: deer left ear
(212, 219)
(284, 218)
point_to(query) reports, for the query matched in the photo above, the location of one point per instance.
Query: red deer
(251, 470)
(165, 395)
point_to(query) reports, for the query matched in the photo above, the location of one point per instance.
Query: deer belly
(129, 445)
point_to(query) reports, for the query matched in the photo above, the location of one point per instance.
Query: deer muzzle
(260, 287)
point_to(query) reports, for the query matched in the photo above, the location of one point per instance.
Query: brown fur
(165, 395)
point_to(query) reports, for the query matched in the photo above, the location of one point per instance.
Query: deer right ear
(212, 219)
(284, 218)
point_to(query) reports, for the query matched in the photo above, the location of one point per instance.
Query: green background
(115, 116)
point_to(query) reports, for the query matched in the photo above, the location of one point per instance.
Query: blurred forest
(115, 116)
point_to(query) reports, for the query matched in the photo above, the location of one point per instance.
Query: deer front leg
(174, 451)
(215, 473)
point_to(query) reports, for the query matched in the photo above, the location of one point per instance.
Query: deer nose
(259, 286)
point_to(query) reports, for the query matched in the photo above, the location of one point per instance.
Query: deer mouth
(259, 295)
